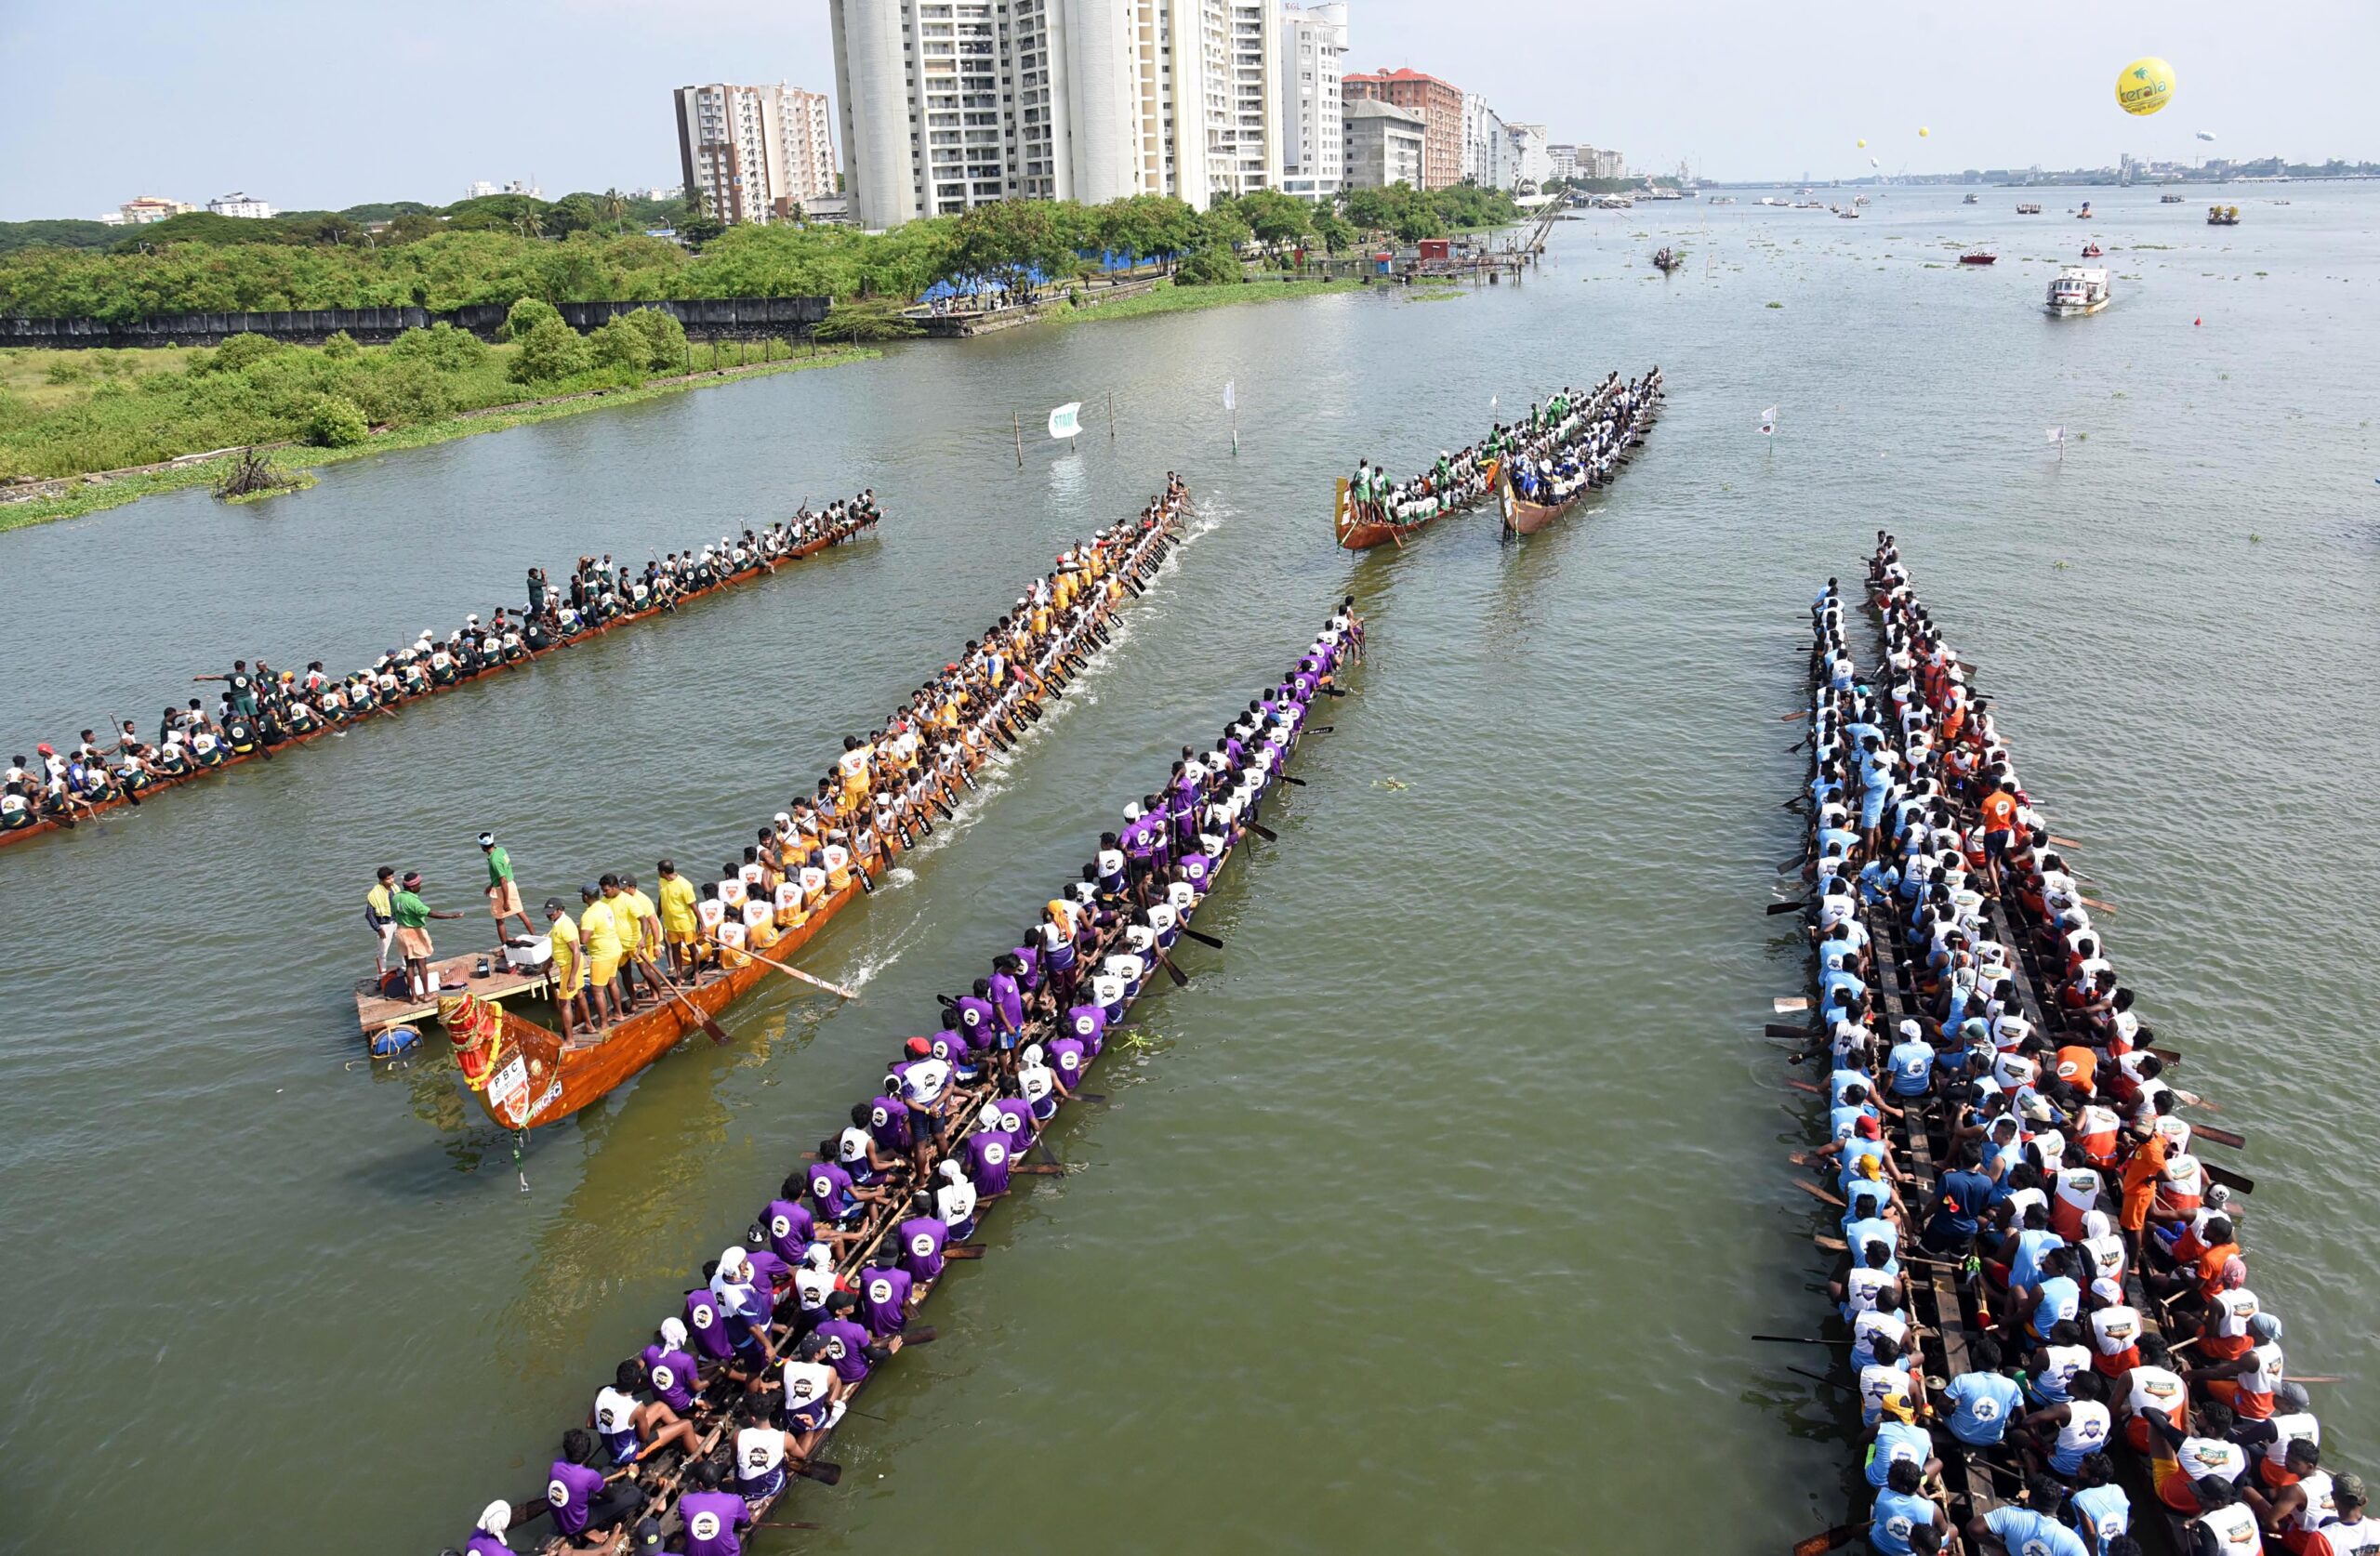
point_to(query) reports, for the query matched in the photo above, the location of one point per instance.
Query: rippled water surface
(1434, 1214)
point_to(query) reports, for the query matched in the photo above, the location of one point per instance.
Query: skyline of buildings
(754, 153)
(1314, 41)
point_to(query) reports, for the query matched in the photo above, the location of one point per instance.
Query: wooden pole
(1016, 420)
(1111, 418)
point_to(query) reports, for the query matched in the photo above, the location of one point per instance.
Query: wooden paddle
(835, 989)
(1776, 908)
(1785, 1005)
(2220, 1137)
(717, 1032)
(963, 1250)
(1798, 1033)
(786, 1523)
(2312, 1378)
(1816, 1193)
(1819, 1545)
(2066, 842)
(1262, 831)
(1201, 938)
(1800, 1339)
(1181, 979)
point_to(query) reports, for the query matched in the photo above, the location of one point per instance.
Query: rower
(588, 1506)
(669, 1369)
(635, 1428)
(712, 1517)
(1984, 1399)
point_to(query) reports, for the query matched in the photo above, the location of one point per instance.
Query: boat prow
(1362, 534)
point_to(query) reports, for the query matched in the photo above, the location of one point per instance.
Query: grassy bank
(1169, 298)
(84, 495)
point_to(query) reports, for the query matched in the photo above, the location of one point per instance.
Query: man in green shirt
(503, 891)
(413, 916)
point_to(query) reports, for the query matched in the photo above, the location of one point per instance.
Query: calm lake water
(1434, 1214)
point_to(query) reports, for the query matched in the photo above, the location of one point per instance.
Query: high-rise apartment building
(948, 104)
(1440, 105)
(1487, 148)
(1531, 166)
(755, 153)
(1385, 144)
(1314, 40)
(1564, 159)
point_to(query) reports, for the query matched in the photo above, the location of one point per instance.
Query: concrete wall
(706, 318)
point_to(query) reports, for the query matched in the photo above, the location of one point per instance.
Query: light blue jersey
(1981, 1405)
(1896, 1514)
(1897, 1440)
(1912, 1066)
(2027, 1533)
(2103, 1511)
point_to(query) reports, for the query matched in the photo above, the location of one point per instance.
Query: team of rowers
(2102, 1259)
(624, 951)
(740, 1387)
(259, 706)
(1583, 447)
(1459, 481)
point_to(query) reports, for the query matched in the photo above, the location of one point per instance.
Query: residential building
(142, 210)
(948, 104)
(754, 153)
(481, 189)
(1487, 150)
(1563, 159)
(1611, 164)
(1313, 39)
(1531, 166)
(1385, 144)
(1440, 105)
(237, 204)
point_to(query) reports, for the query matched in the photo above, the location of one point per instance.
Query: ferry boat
(2077, 289)
(2029, 210)
(1978, 257)
(2223, 216)
(2169, 200)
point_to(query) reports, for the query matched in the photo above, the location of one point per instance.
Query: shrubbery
(335, 422)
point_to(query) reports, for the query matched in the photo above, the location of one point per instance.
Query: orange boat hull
(1362, 534)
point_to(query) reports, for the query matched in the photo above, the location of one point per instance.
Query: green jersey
(409, 911)
(499, 866)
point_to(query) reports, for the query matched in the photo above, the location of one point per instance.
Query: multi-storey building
(755, 153)
(948, 104)
(1440, 105)
(237, 204)
(1385, 144)
(1530, 165)
(1487, 148)
(1314, 40)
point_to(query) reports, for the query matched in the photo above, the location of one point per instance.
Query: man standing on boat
(380, 915)
(503, 891)
(413, 916)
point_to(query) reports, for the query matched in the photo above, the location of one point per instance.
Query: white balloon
(2207, 134)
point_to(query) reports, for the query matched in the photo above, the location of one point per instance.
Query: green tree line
(591, 248)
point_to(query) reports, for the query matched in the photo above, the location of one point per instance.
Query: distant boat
(1978, 257)
(2223, 216)
(1971, 199)
(2029, 210)
(1666, 261)
(2090, 251)
(2169, 200)
(2077, 291)
(2084, 214)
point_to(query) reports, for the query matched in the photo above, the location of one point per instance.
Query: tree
(441, 346)
(574, 212)
(341, 347)
(335, 422)
(1210, 264)
(621, 348)
(1276, 219)
(695, 225)
(614, 204)
(551, 350)
(1009, 241)
(1334, 231)
(665, 339)
(525, 315)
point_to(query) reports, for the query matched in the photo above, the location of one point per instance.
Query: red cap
(918, 1048)
(45, 750)
(1871, 1129)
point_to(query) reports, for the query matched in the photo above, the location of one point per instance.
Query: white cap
(1033, 1053)
(495, 1519)
(1909, 1028)
(2106, 1290)
(673, 1331)
(732, 1258)
(950, 1170)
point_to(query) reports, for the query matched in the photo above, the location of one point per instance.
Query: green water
(1435, 1212)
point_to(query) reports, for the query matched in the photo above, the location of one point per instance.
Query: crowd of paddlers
(2014, 1168)
(882, 795)
(1584, 448)
(260, 707)
(1548, 435)
(695, 1437)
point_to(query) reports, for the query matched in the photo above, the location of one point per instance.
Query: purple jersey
(988, 1157)
(569, 1491)
(707, 1326)
(831, 1187)
(922, 1240)
(1141, 837)
(771, 1275)
(789, 1227)
(712, 1518)
(1199, 868)
(1015, 1120)
(846, 1348)
(884, 1300)
(1069, 1057)
(482, 1543)
(973, 1017)
(951, 1047)
(1088, 1024)
(888, 1120)
(1008, 1002)
(671, 1373)
(1031, 956)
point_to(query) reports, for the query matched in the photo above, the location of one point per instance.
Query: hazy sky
(325, 103)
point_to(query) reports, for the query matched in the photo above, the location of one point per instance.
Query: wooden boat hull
(355, 720)
(1524, 518)
(533, 1078)
(1362, 534)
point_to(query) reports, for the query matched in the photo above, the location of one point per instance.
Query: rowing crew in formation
(2091, 1247)
(698, 1435)
(881, 796)
(260, 707)
(1581, 446)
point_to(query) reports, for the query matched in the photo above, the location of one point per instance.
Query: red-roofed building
(1440, 106)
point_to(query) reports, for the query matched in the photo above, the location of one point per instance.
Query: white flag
(1768, 422)
(1231, 398)
(1066, 420)
(2056, 434)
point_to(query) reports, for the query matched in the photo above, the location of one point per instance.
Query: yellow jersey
(566, 955)
(677, 906)
(598, 931)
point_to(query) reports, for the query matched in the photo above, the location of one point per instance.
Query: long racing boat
(740, 1432)
(528, 1076)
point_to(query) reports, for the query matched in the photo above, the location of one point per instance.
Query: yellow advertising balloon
(1922, 131)
(2145, 86)
(1863, 143)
